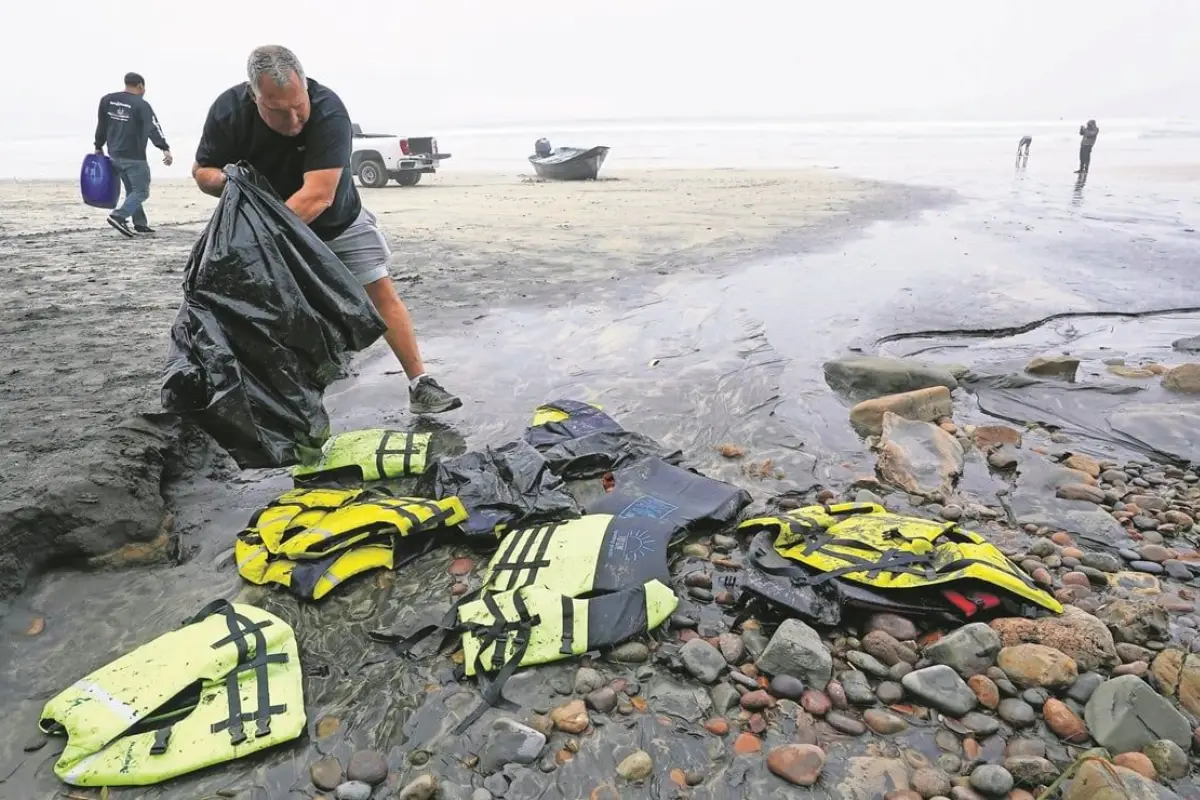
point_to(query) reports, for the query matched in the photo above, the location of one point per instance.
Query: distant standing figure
(1089, 133)
(1024, 145)
(124, 122)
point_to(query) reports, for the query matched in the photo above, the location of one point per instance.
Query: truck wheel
(372, 174)
(408, 178)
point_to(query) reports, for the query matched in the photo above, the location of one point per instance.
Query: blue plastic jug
(98, 181)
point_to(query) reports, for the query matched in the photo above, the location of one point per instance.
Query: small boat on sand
(567, 163)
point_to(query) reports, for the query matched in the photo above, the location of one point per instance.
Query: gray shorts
(363, 250)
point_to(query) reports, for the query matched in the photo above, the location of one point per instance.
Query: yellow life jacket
(225, 685)
(865, 543)
(312, 540)
(373, 454)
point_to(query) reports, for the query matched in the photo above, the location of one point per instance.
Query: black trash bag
(269, 319)
(590, 443)
(503, 487)
(653, 488)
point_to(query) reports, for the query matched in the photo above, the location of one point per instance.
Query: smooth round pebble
(992, 780)
(353, 790)
(1017, 712)
(787, 687)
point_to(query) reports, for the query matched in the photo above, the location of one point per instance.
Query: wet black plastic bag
(590, 443)
(269, 319)
(503, 487)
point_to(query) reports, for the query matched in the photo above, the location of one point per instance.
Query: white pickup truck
(376, 157)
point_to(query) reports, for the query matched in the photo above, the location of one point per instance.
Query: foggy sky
(412, 67)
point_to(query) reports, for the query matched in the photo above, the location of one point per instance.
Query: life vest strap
(161, 737)
(497, 634)
(568, 625)
(527, 537)
(408, 451)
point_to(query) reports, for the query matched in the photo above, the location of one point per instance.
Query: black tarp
(510, 486)
(590, 443)
(269, 319)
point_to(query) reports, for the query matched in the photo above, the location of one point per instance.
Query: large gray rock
(1035, 501)
(1189, 344)
(970, 650)
(942, 688)
(797, 650)
(510, 742)
(1101, 781)
(1124, 715)
(918, 457)
(926, 405)
(704, 661)
(862, 377)
(1135, 621)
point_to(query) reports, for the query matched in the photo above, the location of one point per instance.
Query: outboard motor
(542, 148)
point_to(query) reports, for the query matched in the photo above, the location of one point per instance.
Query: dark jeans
(1085, 156)
(135, 177)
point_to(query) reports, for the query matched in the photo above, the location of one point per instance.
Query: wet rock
(992, 780)
(868, 663)
(326, 774)
(924, 405)
(1167, 671)
(510, 742)
(787, 687)
(1084, 685)
(423, 788)
(1168, 759)
(1125, 714)
(1083, 463)
(796, 649)
(747, 743)
(1188, 344)
(1076, 633)
(985, 690)
(918, 457)
(1129, 653)
(874, 376)
(815, 703)
(630, 653)
(970, 650)
(1138, 763)
(1080, 491)
(1031, 665)
(889, 692)
(1053, 367)
(588, 680)
(353, 790)
(869, 778)
(368, 766)
(687, 702)
(1184, 379)
(858, 690)
(887, 650)
(724, 697)
(849, 725)
(940, 687)
(731, 647)
(757, 700)
(481, 794)
(1064, 722)
(883, 722)
(571, 717)
(899, 670)
(1134, 621)
(1148, 567)
(1105, 562)
(980, 724)
(636, 767)
(603, 700)
(717, 727)
(1031, 770)
(702, 660)
(952, 512)
(898, 627)
(837, 695)
(798, 764)
(929, 782)
(497, 784)
(1096, 780)
(1017, 713)
(1003, 459)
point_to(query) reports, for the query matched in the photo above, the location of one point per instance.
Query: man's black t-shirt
(234, 132)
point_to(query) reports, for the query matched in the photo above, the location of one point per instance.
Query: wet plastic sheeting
(510, 485)
(270, 318)
(656, 489)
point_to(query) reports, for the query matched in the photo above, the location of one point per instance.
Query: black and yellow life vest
(578, 440)
(558, 590)
(311, 540)
(653, 488)
(225, 685)
(560, 420)
(373, 454)
(864, 543)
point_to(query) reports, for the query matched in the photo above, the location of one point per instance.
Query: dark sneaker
(121, 225)
(143, 229)
(428, 397)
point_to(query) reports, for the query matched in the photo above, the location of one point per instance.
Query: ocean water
(942, 153)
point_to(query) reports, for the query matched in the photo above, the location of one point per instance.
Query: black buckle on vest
(162, 737)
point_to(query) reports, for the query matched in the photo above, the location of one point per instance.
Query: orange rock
(678, 777)
(929, 638)
(731, 451)
(971, 749)
(986, 690)
(1062, 539)
(327, 725)
(1137, 762)
(1064, 722)
(36, 626)
(747, 743)
(571, 717)
(563, 756)
(639, 703)
(461, 566)
(717, 726)
(1072, 552)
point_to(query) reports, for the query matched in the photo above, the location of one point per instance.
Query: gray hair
(274, 61)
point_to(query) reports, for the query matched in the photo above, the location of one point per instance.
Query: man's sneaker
(121, 225)
(143, 229)
(428, 397)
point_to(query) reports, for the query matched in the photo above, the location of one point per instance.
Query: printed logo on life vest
(631, 544)
(648, 506)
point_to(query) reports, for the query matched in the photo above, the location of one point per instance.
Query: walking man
(1089, 133)
(124, 122)
(296, 133)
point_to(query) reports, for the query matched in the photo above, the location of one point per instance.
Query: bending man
(296, 133)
